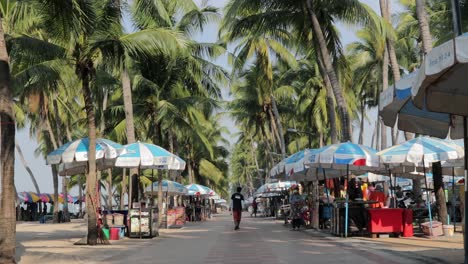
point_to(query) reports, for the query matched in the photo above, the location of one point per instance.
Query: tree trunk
(129, 125)
(417, 189)
(330, 103)
(26, 166)
(7, 158)
(124, 190)
(109, 190)
(424, 26)
(279, 125)
(327, 60)
(315, 204)
(58, 125)
(80, 196)
(361, 124)
(55, 218)
(275, 138)
(190, 172)
(91, 179)
(439, 192)
(161, 210)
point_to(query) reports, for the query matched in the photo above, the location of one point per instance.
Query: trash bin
(106, 233)
(448, 230)
(114, 233)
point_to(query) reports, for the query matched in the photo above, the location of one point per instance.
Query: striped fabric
(414, 151)
(146, 155)
(170, 187)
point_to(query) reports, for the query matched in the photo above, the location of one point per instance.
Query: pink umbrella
(69, 197)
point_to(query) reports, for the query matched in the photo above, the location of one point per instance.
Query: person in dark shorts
(237, 199)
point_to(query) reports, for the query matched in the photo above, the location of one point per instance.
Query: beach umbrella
(69, 198)
(294, 164)
(220, 201)
(421, 152)
(347, 155)
(148, 156)
(171, 187)
(77, 151)
(197, 189)
(396, 106)
(46, 198)
(30, 197)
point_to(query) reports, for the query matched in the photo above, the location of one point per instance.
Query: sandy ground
(260, 240)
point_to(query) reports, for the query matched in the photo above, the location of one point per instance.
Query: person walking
(254, 207)
(236, 206)
(297, 203)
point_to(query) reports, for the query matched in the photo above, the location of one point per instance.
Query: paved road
(261, 241)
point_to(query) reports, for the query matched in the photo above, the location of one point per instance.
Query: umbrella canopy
(344, 156)
(46, 198)
(146, 155)
(294, 164)
(77, 151)
(396, 104)
(197, 189)
(30, 197)
(171, 187)
(441, 84)
(220, 201)
(69, 198)
(421, 151)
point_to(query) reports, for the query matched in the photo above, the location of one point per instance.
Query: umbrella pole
(346, 203)
(454, 212)
(392, 198)
(152, 181)
(325, 178)
(465, 230)
(428, 198)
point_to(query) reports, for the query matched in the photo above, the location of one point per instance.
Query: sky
(43, 173)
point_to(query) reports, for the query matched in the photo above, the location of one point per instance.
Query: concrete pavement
(260, 240)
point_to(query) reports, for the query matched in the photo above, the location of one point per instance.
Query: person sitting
(377, 195)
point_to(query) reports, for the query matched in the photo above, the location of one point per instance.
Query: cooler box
(436, 228)
(386, 220)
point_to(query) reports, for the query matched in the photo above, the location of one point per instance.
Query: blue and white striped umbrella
(171, 187)
(294, 164)
(344, 156)
(77, 151)
(417, 150)
(197, 189)
(146, 155)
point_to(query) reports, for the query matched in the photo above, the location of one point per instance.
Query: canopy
(150, 156)
(197, 189)
(441, 83)
(170, 187)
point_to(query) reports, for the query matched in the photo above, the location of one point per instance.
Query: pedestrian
(254, 206)
(236, 206)
(297, 203)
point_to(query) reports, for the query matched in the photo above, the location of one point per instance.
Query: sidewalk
(428, 250)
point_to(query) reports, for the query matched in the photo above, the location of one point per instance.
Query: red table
(385, 220)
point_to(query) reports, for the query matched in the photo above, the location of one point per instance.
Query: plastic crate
(436, 228)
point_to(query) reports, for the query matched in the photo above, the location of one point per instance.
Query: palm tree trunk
(129, 124)
(80, 196)
(51, 135)
(330, 103)
(26, 166)
(160, 199)
(274, 131)
(91, 180)
(65, 213)
(124, 189)
(361, 125)
(340, 100)
(109, 190)
(424, 26)
(383, 128)
(279, 126)
(7, 159)
(439, 192)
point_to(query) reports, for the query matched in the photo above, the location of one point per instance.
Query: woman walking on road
(236, 205)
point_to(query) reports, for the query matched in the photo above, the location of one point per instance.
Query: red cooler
(408, 223)
(114, 233)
